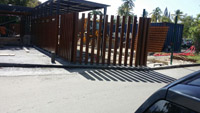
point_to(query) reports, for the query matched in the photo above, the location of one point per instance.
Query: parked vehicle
(187, 43)
(182, 96)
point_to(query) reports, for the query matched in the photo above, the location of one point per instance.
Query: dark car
(181, 96)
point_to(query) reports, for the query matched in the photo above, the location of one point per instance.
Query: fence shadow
(126, 76)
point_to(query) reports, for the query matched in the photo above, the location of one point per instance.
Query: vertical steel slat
(104, 38)
(127, 40)
(116, 40)
(110, 39)
(93, 38)
(134, 26)
(87, 39)
(121, 40)
(99, 40)
(81, 38)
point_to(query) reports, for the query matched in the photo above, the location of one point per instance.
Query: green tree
(187, 21)
(166, 16)
(195, 33)
(166, 19)
(96, 12)
(156, 15)
(27, 3)
(178, 13)
(166, 12)
(126, 8)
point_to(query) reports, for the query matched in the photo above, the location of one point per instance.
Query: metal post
(173, 41)
(144, 11)
(51, 8)
(105, 13)
(58, 7)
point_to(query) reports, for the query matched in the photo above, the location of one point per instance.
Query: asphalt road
(80, 91)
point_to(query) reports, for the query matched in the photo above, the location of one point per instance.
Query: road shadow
(125, 76)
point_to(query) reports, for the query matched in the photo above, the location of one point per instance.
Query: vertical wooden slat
(127, 40)
(146, 42)
(99, 40)
(143, 40)
(116, 40)
(104, 38)
(57, 30)
(138, 47)
(75, 36)
(81, 38)
(121, 40)
(87, 39)
(93, 38)
(134, 26)
(110, 39)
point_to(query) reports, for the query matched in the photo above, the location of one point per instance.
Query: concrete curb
(75, 66)
(175, 66)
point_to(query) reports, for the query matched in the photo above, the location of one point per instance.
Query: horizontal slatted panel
(157, 37)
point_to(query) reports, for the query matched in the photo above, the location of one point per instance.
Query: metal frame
(53, 7)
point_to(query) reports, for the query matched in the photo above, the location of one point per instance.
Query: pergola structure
(52, 7)
(9, 9)
(48, 8)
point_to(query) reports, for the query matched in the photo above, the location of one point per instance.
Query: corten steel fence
(45, 33)
(97, 42)
(157, 38)
(92, 40)
(68, 30)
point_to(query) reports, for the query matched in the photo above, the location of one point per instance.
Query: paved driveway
(80, 91)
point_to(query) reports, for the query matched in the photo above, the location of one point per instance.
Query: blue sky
(191, 7)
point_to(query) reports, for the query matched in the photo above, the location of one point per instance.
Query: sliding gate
(93, 39)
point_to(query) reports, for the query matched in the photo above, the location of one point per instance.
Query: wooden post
(116, 40)
(81, 39)
(99, 40)
(121, 40)
(74, 40)
(127, 40)
(87, 39)
(93, 38)
(134, 26)
(139, 40)
(110, 39)
(104, 39)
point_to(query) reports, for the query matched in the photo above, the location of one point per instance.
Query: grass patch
(195, 57)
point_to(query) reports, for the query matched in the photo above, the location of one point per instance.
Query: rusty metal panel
(146, 42)
(143, 37)
(99, 40)
(67, 33)
(121, 40)
(44, 32)
(87, 39)
(127, 40)
(75, 37)
(134, 27)
(110, 39)
(93, 38)
(104, 38)
(139, 40)
(81, 38)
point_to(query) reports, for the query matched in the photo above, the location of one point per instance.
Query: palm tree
(96, 12)
(178, 13)
(126, 8)
(156, 15)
